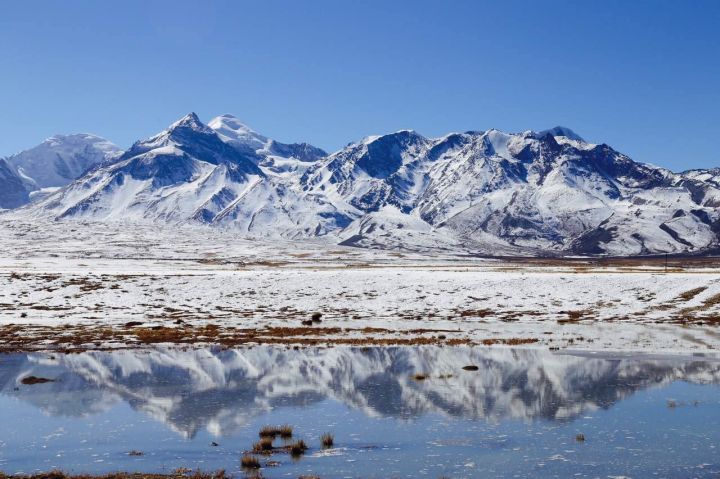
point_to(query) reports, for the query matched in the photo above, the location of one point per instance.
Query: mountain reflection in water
(222, 390)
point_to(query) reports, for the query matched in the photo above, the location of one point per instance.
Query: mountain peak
(232, 130)
(562, 131)
(190, 120)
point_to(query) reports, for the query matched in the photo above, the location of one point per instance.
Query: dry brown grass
(690, 294)
(248, 461)
(327, 440)
(263, 446)
(510, 341)
(286, 431)
(297, 448)
(78, 338)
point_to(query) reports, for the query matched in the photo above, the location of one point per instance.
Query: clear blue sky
(642, 76)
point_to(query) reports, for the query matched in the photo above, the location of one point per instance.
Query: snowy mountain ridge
(486, 192)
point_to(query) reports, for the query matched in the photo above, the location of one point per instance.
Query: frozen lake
(394, 412)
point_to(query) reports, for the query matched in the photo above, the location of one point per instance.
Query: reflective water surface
(517, 415)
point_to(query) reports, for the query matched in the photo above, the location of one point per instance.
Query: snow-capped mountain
(14, 189)
(488, 192)
(519, 193)
(61, 159)
(189, 173)
(275, 157)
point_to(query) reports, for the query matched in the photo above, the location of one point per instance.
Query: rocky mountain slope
(14, 190)
(488, 192)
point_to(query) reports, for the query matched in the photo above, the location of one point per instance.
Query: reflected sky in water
(517, 415)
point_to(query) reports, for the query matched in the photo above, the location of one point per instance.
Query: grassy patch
(690, 294)
(327, 440)
(248, 461)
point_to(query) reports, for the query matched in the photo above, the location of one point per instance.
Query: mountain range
(481, 192)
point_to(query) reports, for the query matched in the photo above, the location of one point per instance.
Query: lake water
(517, 415)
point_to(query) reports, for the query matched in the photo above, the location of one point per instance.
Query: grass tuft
(263, 446)
(250, 462)
(298, 448)
(285, 431)
(327, 440)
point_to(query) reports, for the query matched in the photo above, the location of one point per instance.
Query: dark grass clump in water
(263, 446)
(298, 448)
(285, 431)
(471, 367)
(268, 431)
(327, 440)
(580, 437)
(420, 377)
(249, 462)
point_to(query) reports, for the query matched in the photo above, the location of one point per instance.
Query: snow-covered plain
(59, 280)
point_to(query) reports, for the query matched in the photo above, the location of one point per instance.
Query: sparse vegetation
(420, 377)
(471, 368)
(580, 437)
(136, 453)
(248, 461)
(327, 440)
(268, 431)
(297, 448)
(263, 446)
(690, 294)
(285, 431)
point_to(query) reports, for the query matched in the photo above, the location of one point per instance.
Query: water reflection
(222, 390)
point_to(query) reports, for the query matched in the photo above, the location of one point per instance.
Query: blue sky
(642, 76)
